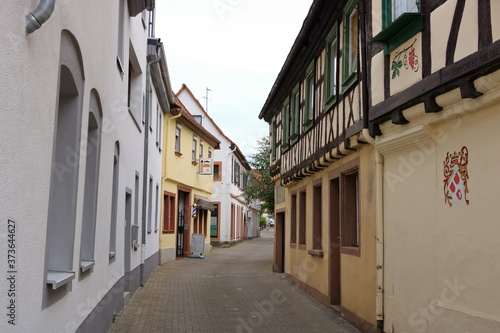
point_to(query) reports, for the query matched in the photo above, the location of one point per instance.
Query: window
(396, 8)
(209, 152)
(309, 98)
(285, 124)
(331, 68)
(401, 19)
(150, 204)
(317, 217)
(217, 171)
(294, 121)
(350, 218)
(350, 49)
(159, 125)
(344, 208)
(136, 204)
(114, 201)
(121, 18)
(201, 150)
(199, 119)
(293, 220)
(193, 149)
(302, 219)
(274, 138)
(91, 183)
(168, 213)
(178, 139)
(156, 206)
(214, 222)
(136, 100)
(61, 217)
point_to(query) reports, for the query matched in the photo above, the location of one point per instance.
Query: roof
(233, 146)
(315, 26)
(188, 120)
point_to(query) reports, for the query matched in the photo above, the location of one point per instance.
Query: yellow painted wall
(357, 273)
(442, 262)
(180, 171)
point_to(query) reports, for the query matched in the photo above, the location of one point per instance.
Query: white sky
(236, 48)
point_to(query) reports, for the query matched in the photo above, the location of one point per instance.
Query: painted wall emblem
(456, 176)
(406, 58)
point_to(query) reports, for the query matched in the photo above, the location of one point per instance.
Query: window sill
(308, 125)
(330, 102)
(85, 265)
(351, 250)
(293, 245)
(59, 278)
(302, 246)
(316, 253)
(349, 81)
(112, 254)
(399, 31)
(194, 163)
(178, 154)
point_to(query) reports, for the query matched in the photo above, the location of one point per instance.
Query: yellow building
(435, 97)
(187, 184)
(324, 167)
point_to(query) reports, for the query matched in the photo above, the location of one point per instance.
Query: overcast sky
(236, 48)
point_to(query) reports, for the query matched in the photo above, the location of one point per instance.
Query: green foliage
(262, 221)
(260, 186)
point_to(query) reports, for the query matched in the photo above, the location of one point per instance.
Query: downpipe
(40, 15)
(145, 168)
(379, 232)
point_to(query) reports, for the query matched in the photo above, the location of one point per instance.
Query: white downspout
(379, 229)
(40, 15)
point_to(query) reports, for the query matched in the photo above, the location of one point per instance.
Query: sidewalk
(231, 290)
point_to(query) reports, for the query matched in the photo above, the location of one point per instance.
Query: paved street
(231, 290)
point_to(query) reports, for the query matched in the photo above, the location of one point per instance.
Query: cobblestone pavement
(231, 290)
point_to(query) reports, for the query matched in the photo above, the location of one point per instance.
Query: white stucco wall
(28, 91)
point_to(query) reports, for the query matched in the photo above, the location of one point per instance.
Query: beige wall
(357, 272)
(442, 262)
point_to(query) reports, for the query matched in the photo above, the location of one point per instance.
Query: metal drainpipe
(145, 166)
(40, 15)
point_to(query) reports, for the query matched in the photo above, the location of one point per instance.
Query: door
(128, 238)
(279, 243)
(334, 248)
(180, 224)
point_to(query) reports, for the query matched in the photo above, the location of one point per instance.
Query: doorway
(334, 246)
(183, 217)
(279, 243)
(128, 238)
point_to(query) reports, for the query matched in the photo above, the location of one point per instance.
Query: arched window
(114, 202)
(92, 154)
(65, 165)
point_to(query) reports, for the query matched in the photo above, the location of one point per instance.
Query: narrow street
(231, 290)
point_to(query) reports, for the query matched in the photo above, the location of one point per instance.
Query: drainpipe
(40, 15)
(379, 232)
(145, 166)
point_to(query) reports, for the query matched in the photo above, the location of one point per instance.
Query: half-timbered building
(323, 167)
(434, 95)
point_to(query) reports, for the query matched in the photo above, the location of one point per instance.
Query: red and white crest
(456, 176)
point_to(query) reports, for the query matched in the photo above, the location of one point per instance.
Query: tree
(260, 186)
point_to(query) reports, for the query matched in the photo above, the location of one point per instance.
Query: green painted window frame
(308, 118)
(285, 124)
(349, 77)
(396, 32)
(330, 93)
(294, 114)
(274, 140)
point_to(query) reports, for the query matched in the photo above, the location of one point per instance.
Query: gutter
(40, 15)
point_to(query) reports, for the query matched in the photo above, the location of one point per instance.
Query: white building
(79, 202)
(234, 219)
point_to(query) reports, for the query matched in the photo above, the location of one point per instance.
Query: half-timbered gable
(434, 96)
(323, 165)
